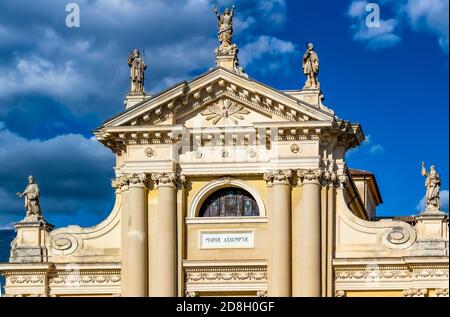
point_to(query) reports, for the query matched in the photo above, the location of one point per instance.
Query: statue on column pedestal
(137, 68)
(433, 185)
(32, 195)
(310, 66)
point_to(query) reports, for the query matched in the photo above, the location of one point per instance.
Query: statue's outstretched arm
(424, 171)
(216, 11)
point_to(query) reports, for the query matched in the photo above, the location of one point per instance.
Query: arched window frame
(229, 202)
(204, 193)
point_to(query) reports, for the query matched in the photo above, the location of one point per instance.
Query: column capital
(165, 179)
(310, 176)
(278, 177)
(131, 180)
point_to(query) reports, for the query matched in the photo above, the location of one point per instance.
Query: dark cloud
(74, 173)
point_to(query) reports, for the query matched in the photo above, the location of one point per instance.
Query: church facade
(227, 187)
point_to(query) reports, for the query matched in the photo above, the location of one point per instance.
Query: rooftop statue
(310, 66)
(137, 68)
(433, 185)
(225, 33)
(32, 195)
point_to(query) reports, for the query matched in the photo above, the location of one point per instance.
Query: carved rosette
(310, 176)
(415, 292)
(278, 177)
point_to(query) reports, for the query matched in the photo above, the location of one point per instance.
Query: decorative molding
(150, 152)
(442, 292)
(310, 175)
(339, 293)
(225, 109)
(295, 148)
(241, 274)
(415, 292)
(191, 294)
(132, 179)
(83, 278)
(164, 179)
(261, 293)
(431, 273)
(278, 177)
(373, 273)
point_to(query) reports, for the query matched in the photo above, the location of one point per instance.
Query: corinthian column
(306, 236)
(163, 245)
(136, 244)
(279, 216)
(121, 186)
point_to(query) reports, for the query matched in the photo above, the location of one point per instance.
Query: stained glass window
(229, 202)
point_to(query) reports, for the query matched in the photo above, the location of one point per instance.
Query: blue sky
(57, 84)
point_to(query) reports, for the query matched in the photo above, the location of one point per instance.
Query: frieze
(415, 292)
(225, 274)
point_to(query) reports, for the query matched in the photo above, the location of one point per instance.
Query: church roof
(355, 173)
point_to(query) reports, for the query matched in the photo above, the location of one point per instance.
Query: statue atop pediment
(137, 69)
(310, 67)
(225, 30)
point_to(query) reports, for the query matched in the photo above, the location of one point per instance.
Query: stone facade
(314, 235)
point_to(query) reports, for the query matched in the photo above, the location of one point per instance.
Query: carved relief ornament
(278, 177)
(165, 179)
(310, 175)
(133, 179)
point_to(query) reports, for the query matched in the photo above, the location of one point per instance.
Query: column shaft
(307, 232)
(279, 216)
(163, 271)
(136, 241)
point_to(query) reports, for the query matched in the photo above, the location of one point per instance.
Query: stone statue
(433, 185)
(137, 68)
(311, 67)
(32, 195)
(225, 33)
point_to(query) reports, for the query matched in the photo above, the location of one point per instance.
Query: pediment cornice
(185, 98)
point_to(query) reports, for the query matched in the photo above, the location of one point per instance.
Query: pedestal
(133, 99)
(432, 224)
(29, 244)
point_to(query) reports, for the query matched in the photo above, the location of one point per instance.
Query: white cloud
(367, 146)
(37, 75)
(375, 38)
(376, 149)
(85, 68)
(357, 8)
(273, 50)
(430, 16)
(419, 15)
(444, 201)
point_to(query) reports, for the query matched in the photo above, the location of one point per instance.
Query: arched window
(229, 202)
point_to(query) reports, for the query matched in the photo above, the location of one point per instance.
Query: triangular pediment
(218, 97)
